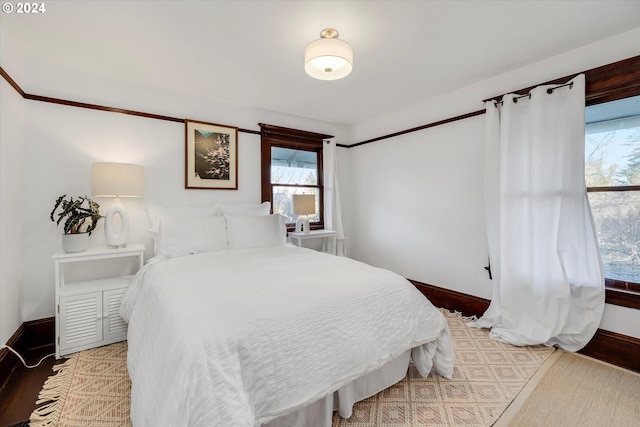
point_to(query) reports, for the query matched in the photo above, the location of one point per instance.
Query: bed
(263, 333)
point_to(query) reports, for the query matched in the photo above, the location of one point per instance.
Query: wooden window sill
(622, 297)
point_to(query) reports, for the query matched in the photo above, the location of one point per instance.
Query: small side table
(87, 311)
(328, 239)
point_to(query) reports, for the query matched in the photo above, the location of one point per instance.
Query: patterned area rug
(487, 376)
(92, 389)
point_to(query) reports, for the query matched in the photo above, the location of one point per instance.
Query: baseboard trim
(32, 340)
(468, 305)
(611, 347)
(7, 359)
(617, 349)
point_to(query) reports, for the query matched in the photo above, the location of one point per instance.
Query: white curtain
(547, 272)
(332, 206)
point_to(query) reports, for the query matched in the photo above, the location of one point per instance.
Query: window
(617, 81)
(292, 164)
(293, 171)
(612, 174)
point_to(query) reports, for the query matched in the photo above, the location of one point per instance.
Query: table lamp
(117, 180)
(303, 205)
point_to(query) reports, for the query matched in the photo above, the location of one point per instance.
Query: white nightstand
(87, 311)
(328, 239)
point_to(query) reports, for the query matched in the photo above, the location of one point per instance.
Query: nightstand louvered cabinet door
(115, 328)
(80, 321)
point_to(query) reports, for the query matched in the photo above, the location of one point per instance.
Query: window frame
(615, 283)
(608, 83)
(282, 137)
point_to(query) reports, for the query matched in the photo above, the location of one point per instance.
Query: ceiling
(250, 53)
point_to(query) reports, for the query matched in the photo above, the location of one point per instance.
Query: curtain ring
(515, 98)
(551, 89)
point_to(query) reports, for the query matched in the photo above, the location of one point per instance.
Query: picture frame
(211, 156)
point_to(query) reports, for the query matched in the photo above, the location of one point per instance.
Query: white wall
(62, 142)
(415, 202)
(11, 209)
(414, 210)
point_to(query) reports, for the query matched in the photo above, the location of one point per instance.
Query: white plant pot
(75, 242)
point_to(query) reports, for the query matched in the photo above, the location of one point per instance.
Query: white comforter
(241, 337)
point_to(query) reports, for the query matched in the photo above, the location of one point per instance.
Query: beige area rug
(92, 389)
(487, 376)
(578, 391)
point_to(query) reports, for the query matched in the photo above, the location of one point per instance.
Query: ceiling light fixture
(328, 58)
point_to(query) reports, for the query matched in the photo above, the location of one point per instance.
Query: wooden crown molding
(77, 104)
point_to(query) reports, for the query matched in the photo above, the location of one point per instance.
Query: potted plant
(80, 218)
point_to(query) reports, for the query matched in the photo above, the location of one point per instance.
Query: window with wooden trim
(612, 151)
(292, 164)
(612, 175)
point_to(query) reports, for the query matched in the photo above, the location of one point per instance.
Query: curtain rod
(528, 95)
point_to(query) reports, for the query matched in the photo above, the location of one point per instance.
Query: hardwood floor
(18, 398)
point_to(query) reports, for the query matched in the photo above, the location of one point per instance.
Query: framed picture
(211, 152)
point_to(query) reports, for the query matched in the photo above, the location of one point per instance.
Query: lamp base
(302, 224)
(116, 239)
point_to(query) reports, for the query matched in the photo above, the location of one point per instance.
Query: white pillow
(256, 231)
(186, 235)
(246, 210)
(157, 212)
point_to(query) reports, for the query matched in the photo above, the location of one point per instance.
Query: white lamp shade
(328, 59)
(117, 180)
(304, 204)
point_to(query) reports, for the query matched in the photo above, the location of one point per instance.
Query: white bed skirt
(320, 413)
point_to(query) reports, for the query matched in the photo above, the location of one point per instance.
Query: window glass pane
(617, 219)
(290, 166)
(612, 143)
(282, 202)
